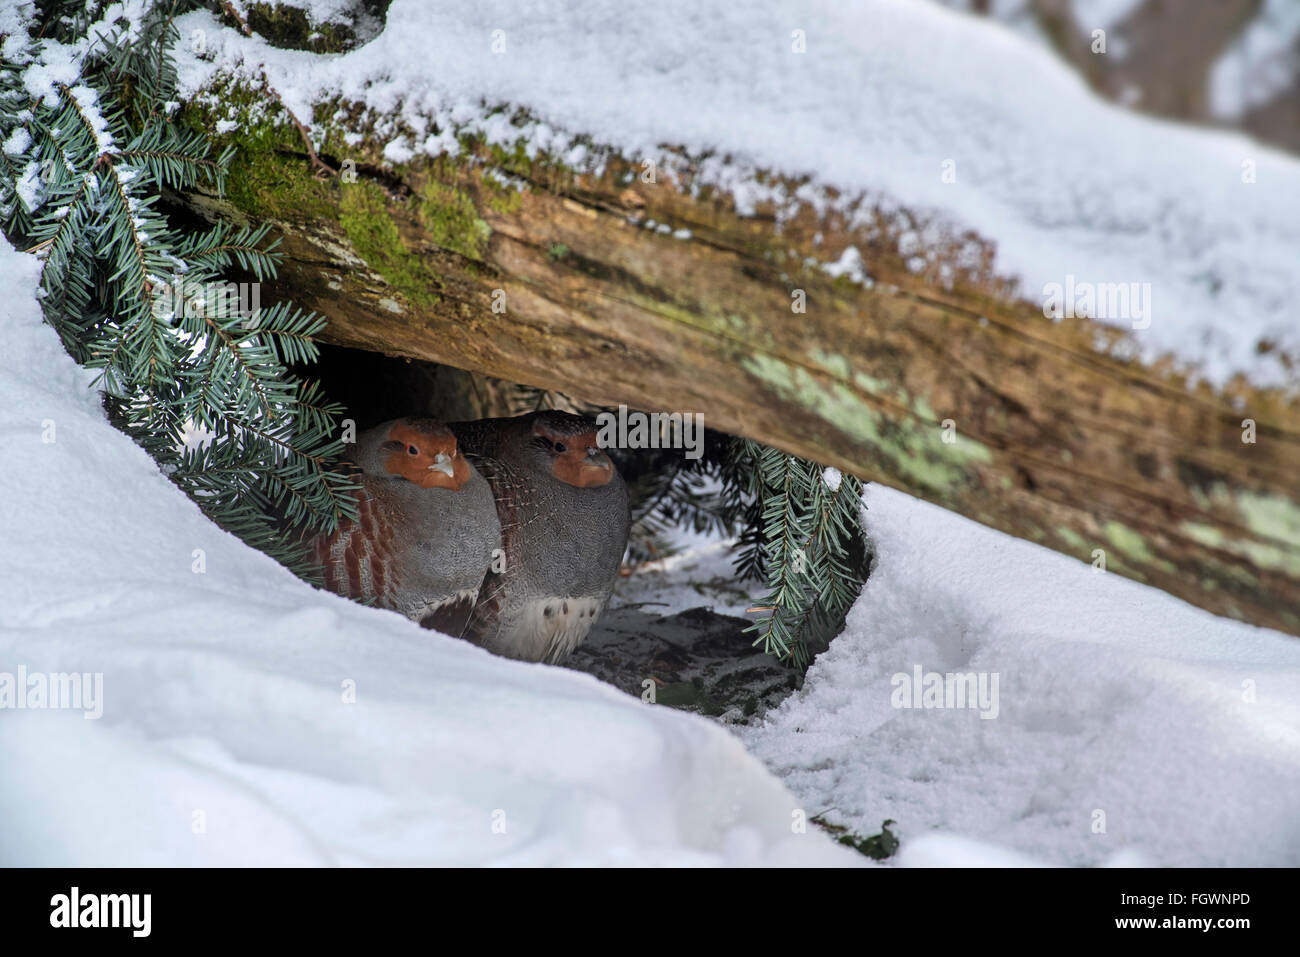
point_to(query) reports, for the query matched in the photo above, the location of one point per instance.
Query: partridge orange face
(576, 459)
(428, 458)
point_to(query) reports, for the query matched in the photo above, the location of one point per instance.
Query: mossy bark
(962, 395)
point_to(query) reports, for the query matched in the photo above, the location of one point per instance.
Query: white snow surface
(1182, 728)
(224, 737)
(887, 93)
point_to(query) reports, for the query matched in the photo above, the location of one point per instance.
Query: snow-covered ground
(225, 735)
(1128, 727)
(699, 572)
(1117, 707)
(888, 96)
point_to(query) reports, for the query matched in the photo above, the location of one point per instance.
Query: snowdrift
(1129, 726)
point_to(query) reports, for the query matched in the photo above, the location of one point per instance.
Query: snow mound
(1128, 726)
(226, 737)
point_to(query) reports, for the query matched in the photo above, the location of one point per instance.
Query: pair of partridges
(506, 532)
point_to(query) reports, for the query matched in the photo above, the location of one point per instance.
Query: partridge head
(563, 511)
(423, 452)
(425, 530)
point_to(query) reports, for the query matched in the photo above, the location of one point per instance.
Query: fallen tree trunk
(963, 396)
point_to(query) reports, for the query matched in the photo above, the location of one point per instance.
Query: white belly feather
(550, 629)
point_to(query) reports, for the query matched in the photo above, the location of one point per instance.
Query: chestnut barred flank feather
(425, 529)
(357, 560)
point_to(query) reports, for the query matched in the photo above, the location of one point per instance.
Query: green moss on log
(452, 221)
(268, 184)
(942, 468)
(363, 213)
(266, 180)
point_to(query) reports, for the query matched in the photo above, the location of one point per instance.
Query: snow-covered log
(784, 313)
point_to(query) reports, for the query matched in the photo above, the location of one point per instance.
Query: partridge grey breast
(564, 518)
(425, 531)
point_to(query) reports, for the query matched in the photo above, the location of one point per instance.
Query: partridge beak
(442, 463)
(596, 462)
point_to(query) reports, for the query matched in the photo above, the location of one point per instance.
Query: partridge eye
(561, 447)
(413, 450)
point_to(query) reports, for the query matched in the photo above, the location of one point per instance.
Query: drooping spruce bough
(208, 390)
(83, 170)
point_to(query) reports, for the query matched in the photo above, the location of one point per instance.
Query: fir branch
(103, 162)
(806, 536)
(233, 351)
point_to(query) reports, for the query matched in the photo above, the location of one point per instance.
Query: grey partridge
(564, 525)
(426, 527)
